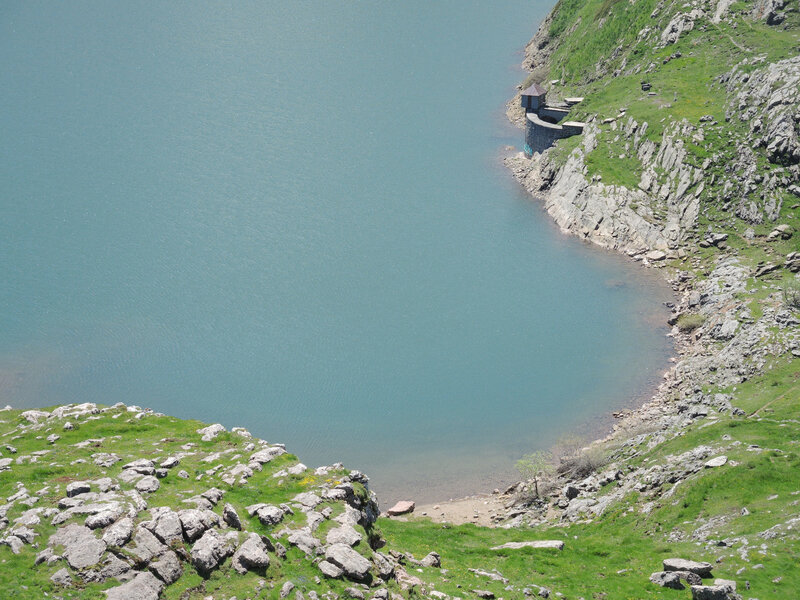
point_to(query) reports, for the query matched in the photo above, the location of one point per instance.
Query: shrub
(533, 467)
(688, 322)
(791, 294)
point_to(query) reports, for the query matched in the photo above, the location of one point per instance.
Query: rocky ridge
(182, 510)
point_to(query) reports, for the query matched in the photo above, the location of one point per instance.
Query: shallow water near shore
(293, 217)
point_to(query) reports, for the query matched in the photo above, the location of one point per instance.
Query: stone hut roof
(534, 90)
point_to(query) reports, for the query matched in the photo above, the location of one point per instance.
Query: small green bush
(689, 322)
(791, 294)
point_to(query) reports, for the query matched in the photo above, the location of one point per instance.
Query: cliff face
(713, 140)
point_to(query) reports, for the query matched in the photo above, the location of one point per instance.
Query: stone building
(543, 124)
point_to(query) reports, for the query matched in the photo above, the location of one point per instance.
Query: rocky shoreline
(728, 345)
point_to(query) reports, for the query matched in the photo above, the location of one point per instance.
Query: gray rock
(286, 589)
(714, 592)
(196, 521)
(267, 454)
(102, 519)
(329, 569)
(146, 545)
(432, 560)
(145, 586)
(81, 548)
(354, 593)
(147, 484)
(269, 514)
(345, 534)
(716, 462)
(703, 569)
(231, 517)
(169, 462)
(213, 495)
(61, 577)
(303, 539)
(167, 568)
(165, 525)
(119, 533)
(142, 466)
(210, 551)
(351, 562)
(667, 579)
(210, 432)
(77, 487)
(251, 555)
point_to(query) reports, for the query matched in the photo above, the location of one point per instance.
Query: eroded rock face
(768, 99)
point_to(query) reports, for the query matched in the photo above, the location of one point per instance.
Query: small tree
(791, 294)
(534, 466)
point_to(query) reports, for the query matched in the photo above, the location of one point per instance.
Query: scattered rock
(351, 562)
(402, 507)
(554, 544)
(251, 555)
(703, 569)
(145, 586)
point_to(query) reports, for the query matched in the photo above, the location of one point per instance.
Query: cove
(293, 217)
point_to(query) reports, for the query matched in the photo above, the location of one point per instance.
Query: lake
(293, 216)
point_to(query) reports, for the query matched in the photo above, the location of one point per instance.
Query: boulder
(432, 559)
(667, 579)
(210, 551)
(329, 569)
(119, 533)
(61, 577)
(303, 539)
(725, 591)
(81, 548)
(77, 487)
(345, 534)
(146, 545)
(210, 432)
(349, 561)
(165, 525)
(147, 484)
(142, 466)
(145, 586)
(402, 507)
(167, 568)
(267, 454)
(716, 462)
(554, 544)
(703, 569)
(251, 555)
(231, 517)
(196, 521)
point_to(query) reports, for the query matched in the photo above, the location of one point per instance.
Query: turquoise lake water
(293, 216)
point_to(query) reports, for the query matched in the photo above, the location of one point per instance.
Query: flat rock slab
(553, 544)
(703, 569)
(81, 548)
(401, 508)
(716, 462)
